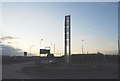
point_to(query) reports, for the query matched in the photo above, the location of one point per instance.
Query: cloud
(7, 38)
(11, 51)
(8, 50)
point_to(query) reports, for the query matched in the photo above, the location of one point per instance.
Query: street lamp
(54, 47)
(31, 49)
(118, 46)
(41, 42)
(82, 46)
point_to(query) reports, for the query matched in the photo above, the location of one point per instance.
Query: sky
(60, 0)
(24, 24)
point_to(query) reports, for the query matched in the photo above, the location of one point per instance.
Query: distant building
(25, 53)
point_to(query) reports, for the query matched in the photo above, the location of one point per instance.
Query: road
(13, 71)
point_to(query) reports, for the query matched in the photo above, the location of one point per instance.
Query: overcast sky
(28, 22)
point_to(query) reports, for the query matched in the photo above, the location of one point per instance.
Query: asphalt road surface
(13, 71)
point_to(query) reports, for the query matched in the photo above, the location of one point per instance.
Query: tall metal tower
(67, 39)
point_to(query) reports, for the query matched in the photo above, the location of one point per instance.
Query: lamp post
(54, 47)
(118, 47)
(41, 42)
(31, 49)
(51, 46)
(82, 47)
